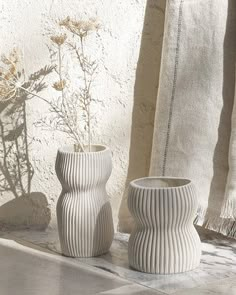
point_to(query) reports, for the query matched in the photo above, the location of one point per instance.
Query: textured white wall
(117, 47)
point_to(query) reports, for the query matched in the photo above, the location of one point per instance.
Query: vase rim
(145, 182)
(69, 149)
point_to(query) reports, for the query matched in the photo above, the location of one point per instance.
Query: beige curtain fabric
(195, 123)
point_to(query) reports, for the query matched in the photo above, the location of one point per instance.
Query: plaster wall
(128, 50)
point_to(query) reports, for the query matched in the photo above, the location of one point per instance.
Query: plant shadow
(27, 209)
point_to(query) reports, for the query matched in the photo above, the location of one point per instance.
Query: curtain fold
(195, 118)
(195, 122)
(229, 204)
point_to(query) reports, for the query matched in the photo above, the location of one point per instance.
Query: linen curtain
(195, 122)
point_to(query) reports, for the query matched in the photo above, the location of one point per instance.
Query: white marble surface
(27, 271)
(218, 265)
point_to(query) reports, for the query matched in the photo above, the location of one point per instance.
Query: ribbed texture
(83, 210)
(164, 240)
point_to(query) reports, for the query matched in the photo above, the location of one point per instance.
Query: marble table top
(215, 275)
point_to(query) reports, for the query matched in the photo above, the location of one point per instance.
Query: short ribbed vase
(164, 240)
(84, 212)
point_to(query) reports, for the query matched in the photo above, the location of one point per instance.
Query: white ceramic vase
(84, 212)
(164, 239)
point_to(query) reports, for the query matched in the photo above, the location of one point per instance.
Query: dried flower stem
(61, 80)
(60, 67)
(88, 95)
(81, 29)
(58, 113)
(72, 107)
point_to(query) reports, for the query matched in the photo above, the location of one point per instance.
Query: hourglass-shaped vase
(84, 212)
(164, 240)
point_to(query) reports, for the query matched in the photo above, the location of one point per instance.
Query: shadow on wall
(27, 209)
(145, 93)
(30, 211)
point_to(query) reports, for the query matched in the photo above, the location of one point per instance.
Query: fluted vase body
(84, 212)
(164, 239)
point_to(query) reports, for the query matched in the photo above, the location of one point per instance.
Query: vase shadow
(104, 229)
(27, 212)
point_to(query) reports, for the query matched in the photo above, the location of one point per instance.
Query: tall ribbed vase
(164, 240)
(84, 212)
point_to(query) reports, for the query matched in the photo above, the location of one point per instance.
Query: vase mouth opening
(160, 182)
(95, 148)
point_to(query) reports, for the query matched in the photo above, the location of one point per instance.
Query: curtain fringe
(228, 209)
(225, 226)
(199, 219)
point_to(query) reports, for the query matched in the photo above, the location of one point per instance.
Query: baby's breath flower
(59, 85)
(80, 27)
(59, 39)
(87, 26)
(95, 23)
(65, 22)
